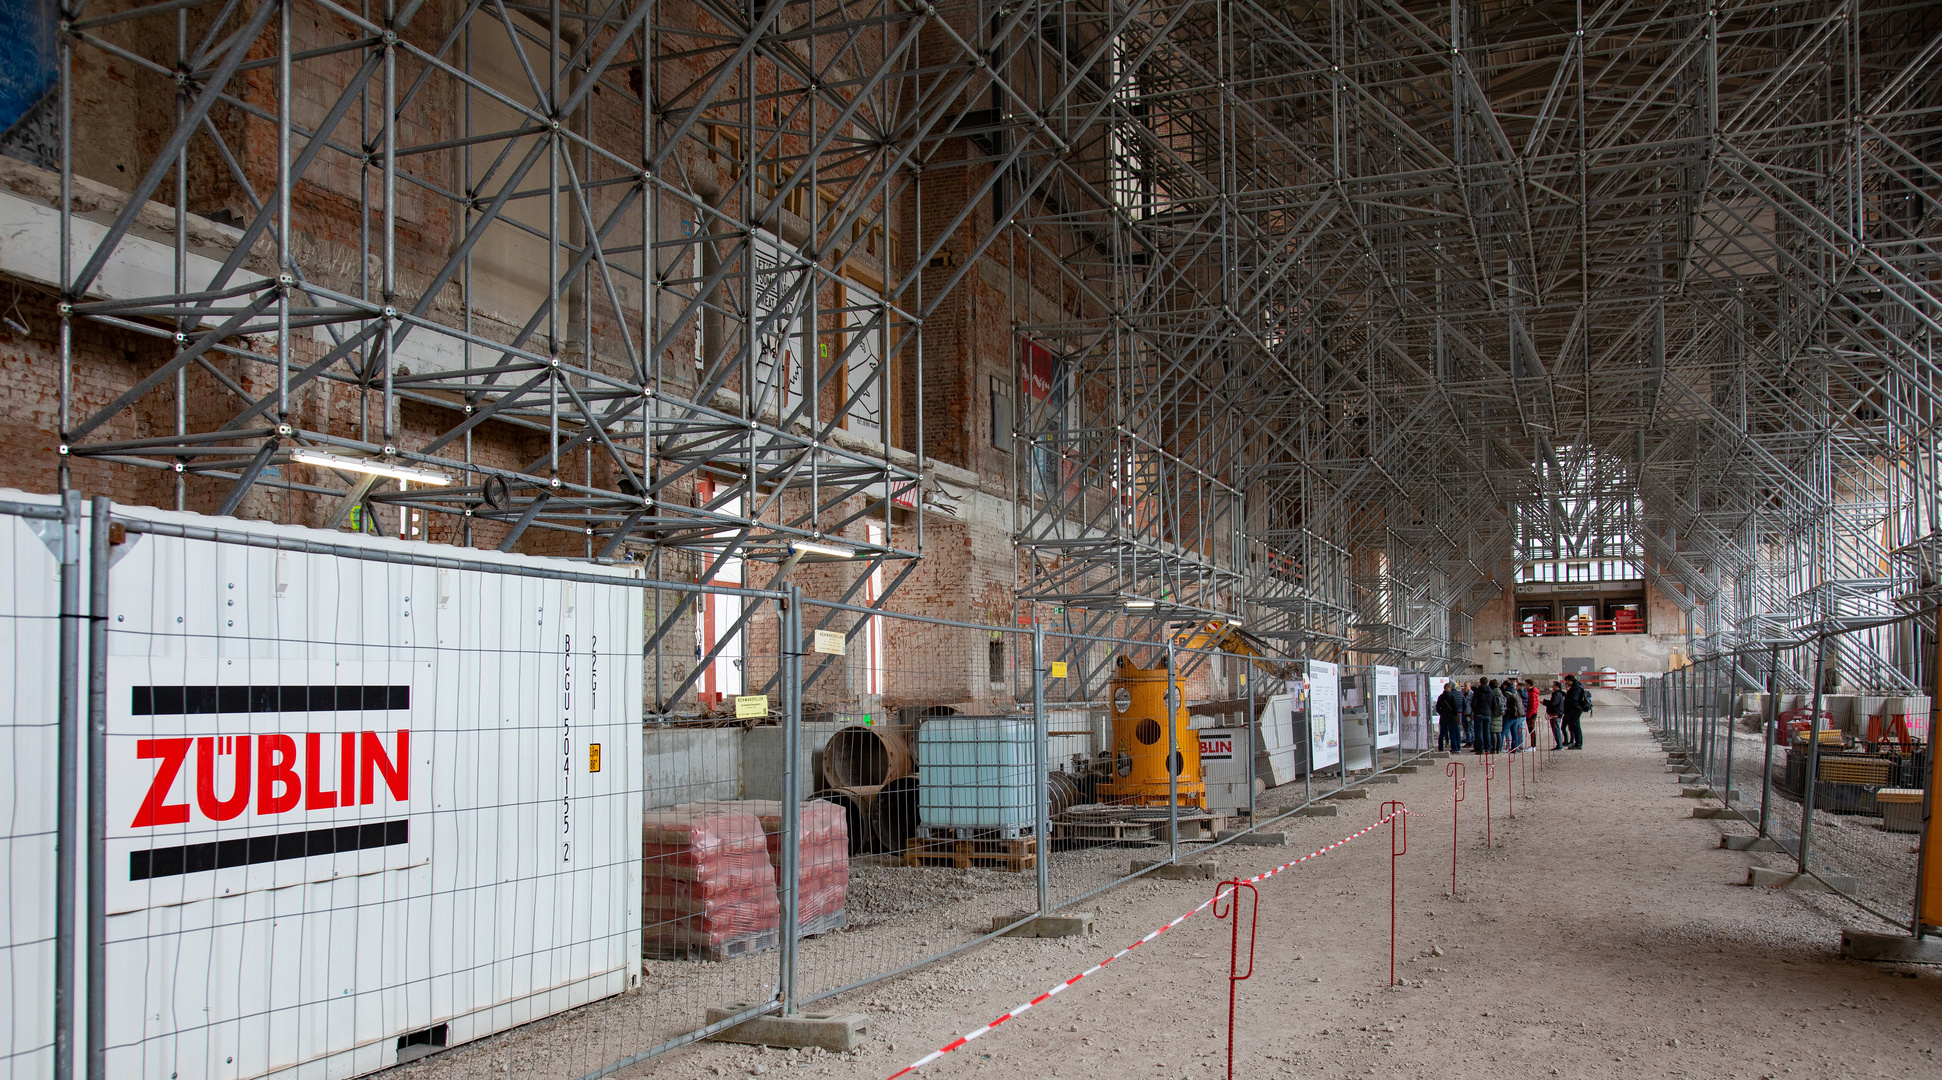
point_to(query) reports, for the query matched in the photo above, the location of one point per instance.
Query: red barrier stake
(1234, 887)
(1454, 770)
(1398, 816)
(1510, 791)
(1489, 783)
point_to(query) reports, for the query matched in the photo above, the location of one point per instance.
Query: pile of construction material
(711, 877)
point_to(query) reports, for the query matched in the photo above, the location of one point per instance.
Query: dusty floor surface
(1605, 935)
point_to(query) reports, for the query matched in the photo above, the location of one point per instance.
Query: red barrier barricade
(1489, 782)
(1231, 890)
(1455, 771)
(1398, 816)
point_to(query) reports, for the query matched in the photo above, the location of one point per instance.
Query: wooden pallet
(663, 948)
(1193, 826)
(1103, 832)
(994, 854)
(965, 832)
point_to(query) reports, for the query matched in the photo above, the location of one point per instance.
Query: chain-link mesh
(355, 743)
(32, 534)
(1749, 732)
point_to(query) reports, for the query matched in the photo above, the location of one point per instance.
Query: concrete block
(1348, 793)
(1715, 812)
(1437, 755)
(1747, 843)
(1317, 811)
(1198, 870)
(1382, 778)
(1255, 839)
(1766, 878)
(1732, 794)
(1404, 769)
(1069, 924)
(1890, 948)
(1690, 778)
(834, 1032)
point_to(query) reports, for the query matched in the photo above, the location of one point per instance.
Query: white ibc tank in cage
(976, 772)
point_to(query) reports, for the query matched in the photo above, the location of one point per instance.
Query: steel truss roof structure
(1332, 298)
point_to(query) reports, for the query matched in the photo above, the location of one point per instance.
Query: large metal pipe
(857, 804)
(859, 757)
(893, 814)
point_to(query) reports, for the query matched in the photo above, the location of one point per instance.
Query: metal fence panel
(31, 535)
(1840, 804)
(358, 809)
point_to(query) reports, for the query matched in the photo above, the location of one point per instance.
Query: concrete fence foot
(1068, 924)
(834, 1032)
(1890, 948)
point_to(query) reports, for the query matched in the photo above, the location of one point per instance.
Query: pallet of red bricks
(825, 861)
(707, 889)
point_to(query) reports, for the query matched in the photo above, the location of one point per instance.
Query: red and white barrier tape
(1101, 966)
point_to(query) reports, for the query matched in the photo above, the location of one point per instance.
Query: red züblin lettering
(268, 771)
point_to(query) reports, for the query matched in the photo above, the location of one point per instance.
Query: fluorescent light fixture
(1138, 605)
(818, 547)
(1233, 622)
(369, 465)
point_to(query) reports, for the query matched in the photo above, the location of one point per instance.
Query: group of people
(1492, 715)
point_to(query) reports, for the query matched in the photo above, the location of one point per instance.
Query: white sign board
(1279, 740)
(1324, 715)
(1216, 745)
(1387, 708)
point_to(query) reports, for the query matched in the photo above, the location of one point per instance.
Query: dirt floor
(1605, 935)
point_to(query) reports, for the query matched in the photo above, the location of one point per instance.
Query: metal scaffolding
(1315, 308)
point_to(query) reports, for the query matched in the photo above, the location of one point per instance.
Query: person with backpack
(1514, 705)
(1577, 702)
(1554, 711)
(1449, 714)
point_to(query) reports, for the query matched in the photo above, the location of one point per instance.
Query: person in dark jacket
(1449, 716)
(1554, 710)
(1483, 707)
(1468, 717)
(1577, 702)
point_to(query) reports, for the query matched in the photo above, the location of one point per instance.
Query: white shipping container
(357, 804)
(30, 610)
(1082, 742)
(976, 772)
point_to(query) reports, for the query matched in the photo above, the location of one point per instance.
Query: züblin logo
(270, 773)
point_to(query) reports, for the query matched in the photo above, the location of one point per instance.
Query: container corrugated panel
(976, 772)
(30, 607)
(1061, 749)
(353, 799)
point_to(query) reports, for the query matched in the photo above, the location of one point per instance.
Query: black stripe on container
(191, 700)
(251, 850)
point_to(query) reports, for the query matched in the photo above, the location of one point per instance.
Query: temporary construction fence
(289, 801)
(1752, 726)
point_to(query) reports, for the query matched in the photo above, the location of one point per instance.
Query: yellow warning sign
(751, 706)
(1058, 669)
(593, 757)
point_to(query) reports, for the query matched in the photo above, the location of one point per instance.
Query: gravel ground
(1605, 934)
